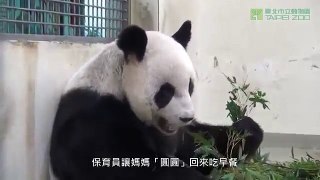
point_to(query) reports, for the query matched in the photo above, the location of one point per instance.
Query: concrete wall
(32, 75)
(145, 13)
(280, 57)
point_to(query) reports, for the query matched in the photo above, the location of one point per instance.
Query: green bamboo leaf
(252, 99)
(248, 176)
(245, 87)
(256, 174)
(244, 111)
(234, 79)
(229, 176)
(230, 80)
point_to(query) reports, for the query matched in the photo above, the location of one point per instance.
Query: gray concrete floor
(279, 146)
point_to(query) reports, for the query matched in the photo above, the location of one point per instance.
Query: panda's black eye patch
(191, 86)
(164, 95)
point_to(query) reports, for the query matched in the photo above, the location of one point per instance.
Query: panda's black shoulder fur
(88, 125)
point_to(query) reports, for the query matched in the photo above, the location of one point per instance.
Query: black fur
(183, 35)
(191, 87)
(219, 133)
(164, 95)
(186, 119)
(89, 126)
(133, 40)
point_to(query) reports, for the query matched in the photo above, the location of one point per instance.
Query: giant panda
(134, 100)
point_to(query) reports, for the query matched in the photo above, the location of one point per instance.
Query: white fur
(102, 73)
(165, 60)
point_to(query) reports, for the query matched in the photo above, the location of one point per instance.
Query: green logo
(276, 14)
(256, 14)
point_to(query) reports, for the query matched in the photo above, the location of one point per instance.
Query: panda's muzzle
(186, 120)
(165, 127)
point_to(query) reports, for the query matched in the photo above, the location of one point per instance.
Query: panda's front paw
(254, 132)
(246, 124)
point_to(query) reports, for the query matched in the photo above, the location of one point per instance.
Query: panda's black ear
(133, 40)
(183, 35)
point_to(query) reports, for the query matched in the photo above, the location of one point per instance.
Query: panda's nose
(186, 119)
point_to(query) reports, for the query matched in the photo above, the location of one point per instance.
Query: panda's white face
(159, 87)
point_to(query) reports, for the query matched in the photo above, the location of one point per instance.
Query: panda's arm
(254, 138)
(220, 134)
(187, 147)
